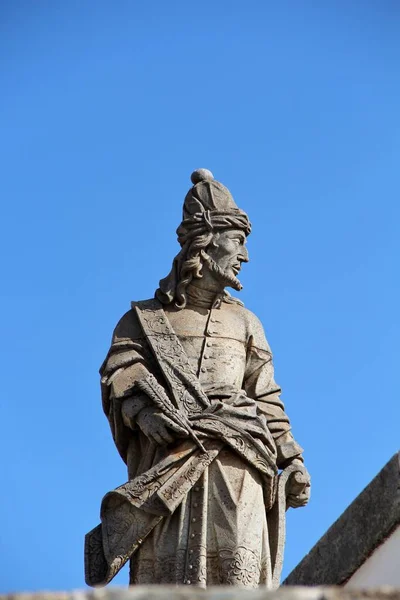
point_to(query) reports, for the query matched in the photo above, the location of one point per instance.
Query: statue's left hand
(298, 490)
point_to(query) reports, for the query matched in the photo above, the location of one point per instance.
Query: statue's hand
(298, 490)
(131, 407)
(158, 428)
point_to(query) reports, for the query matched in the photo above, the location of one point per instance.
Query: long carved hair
(191, 267)
(187, 265)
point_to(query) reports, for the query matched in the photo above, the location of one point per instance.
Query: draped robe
(218, 532)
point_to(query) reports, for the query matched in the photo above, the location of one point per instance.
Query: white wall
(382, 567)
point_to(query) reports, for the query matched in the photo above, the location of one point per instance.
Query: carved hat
(209, 206)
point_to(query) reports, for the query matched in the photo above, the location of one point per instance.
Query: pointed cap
(207, 194)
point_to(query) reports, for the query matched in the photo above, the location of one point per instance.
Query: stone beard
(226, 278)
(188, 388)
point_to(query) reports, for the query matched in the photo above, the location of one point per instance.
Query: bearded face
(225, 257)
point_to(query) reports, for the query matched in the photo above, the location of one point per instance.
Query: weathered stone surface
(365, 524)
(214, 593)
(188, 388)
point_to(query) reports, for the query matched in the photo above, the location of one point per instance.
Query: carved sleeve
(260, 385)
(128, 360)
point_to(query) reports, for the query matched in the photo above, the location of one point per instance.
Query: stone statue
(188, 389)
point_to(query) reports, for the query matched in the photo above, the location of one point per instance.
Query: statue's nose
(244, 255)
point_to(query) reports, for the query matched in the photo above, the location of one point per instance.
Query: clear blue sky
(105, 109)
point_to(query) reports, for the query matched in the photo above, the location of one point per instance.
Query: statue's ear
(214, 241)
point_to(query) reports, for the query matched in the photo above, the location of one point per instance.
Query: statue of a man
(188, 388)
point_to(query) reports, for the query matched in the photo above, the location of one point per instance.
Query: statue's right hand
(158, 428)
